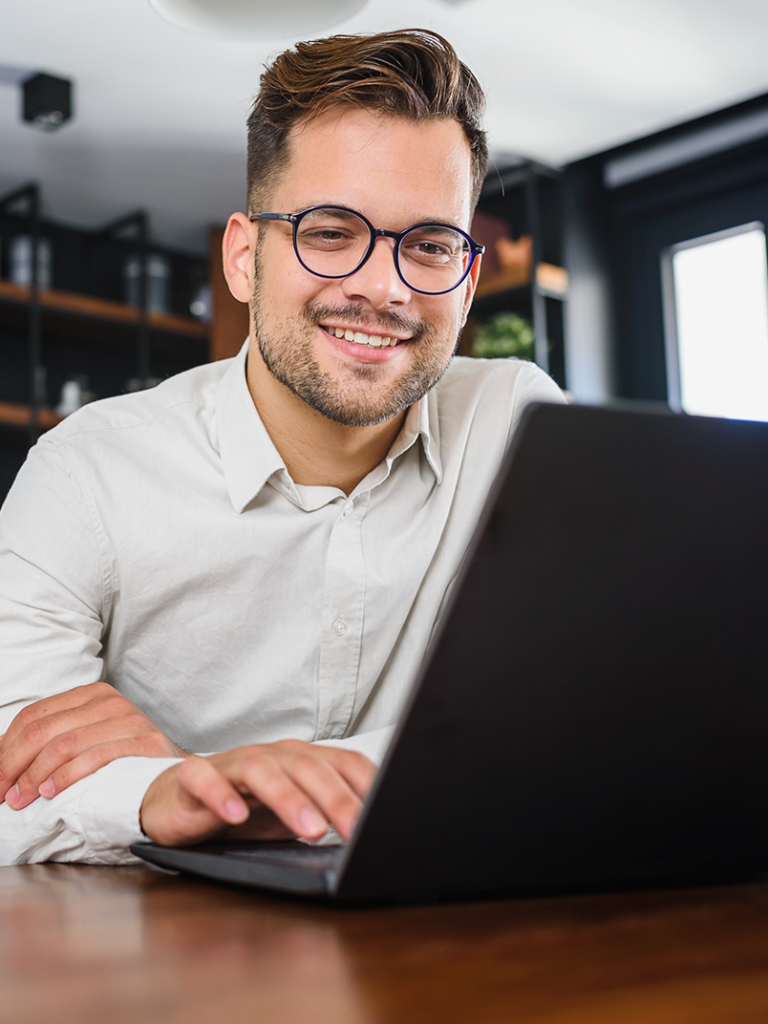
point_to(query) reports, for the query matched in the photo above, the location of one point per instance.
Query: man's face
(396, 173)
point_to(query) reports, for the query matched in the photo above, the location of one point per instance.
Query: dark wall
(616, 236)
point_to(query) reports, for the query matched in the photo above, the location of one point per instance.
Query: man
(252, 556)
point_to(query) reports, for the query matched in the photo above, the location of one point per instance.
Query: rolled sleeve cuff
(111, 816)
(94, 821)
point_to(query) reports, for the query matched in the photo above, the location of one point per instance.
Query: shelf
(13, 414)
(550, 280)
(102, 309)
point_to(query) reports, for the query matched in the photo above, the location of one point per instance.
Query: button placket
(343, 606)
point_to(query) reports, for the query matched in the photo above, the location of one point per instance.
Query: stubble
(362, 397)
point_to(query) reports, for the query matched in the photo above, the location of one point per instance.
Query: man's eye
(426, 249)
(324, 236)
(433, 249)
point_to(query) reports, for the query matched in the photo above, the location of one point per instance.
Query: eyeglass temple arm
(272, 216)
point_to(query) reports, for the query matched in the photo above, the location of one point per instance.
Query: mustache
(363, 318)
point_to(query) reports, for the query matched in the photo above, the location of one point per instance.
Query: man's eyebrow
(341, 212)
(347, 212)
(444, 225)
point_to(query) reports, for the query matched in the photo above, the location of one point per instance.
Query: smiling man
(250, 559)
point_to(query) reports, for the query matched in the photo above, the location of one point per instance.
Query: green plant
(504, 335)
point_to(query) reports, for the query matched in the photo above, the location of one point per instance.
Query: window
(715, 291)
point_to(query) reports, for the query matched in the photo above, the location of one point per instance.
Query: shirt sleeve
(534, 385)
(55, 582)
(92, 822)
(55, 596)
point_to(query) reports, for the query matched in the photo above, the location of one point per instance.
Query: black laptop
(594, 711)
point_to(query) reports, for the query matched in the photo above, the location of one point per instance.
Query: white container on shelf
(158, 283)
(201, 304)
(75, 393)
(21, 261)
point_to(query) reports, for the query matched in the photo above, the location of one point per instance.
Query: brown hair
(410, 73)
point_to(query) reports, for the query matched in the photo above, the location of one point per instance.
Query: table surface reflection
(87, 944)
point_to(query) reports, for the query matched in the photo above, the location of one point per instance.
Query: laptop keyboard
(312, 858)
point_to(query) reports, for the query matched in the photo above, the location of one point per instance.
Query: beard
(362, 398)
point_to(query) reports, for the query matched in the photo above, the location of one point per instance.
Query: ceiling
(160, 112)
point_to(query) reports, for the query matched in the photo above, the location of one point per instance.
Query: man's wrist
(116, 792)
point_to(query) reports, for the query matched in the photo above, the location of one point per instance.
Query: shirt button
(348, 510)
(340, 626)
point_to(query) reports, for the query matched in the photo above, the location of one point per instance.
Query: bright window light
(716, 311)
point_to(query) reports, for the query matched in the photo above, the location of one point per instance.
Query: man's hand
(265, 791)
(61, 739)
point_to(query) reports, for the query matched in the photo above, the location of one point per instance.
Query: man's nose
(378, 281)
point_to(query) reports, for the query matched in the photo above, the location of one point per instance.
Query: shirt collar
(249, 457)
(247, 453)
(422, 421)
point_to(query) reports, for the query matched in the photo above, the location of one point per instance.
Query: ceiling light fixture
(255, 19)
(46, 101)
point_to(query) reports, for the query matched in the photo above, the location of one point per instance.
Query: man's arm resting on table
(97, 818)
(92, 822)
(61, 739)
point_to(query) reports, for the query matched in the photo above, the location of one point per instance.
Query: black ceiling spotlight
(46, 101)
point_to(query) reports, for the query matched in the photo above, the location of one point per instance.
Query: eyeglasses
(334, 242)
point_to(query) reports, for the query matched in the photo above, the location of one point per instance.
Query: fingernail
(47, 789)
(235, 810)
(311, 822)
(13, 796)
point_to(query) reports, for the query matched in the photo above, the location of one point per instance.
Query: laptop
(594, 709)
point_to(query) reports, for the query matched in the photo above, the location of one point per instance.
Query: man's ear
(237, 253)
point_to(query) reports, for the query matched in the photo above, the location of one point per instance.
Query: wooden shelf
(503, 281)
(101, 309)
(14, 414)
(550, 280)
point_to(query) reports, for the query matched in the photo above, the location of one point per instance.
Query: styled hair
(411, 73)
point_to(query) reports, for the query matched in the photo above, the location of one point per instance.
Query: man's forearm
(94, 821)
(97, 818)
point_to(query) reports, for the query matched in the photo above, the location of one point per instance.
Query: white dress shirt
(156, 541)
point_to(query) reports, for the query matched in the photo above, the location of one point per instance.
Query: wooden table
(113, 945)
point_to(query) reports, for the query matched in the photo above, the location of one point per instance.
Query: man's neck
(316, 450)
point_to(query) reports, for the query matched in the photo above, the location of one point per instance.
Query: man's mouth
(360, 338)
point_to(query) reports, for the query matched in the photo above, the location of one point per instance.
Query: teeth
(359, 338)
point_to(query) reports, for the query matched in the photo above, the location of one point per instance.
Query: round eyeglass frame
(475, 249)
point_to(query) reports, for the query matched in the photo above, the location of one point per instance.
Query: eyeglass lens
(333, 242)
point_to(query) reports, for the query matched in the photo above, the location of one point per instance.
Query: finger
(355, 768)
(190, 802)
(78, 767)
(69, 734)
(73, 755)
(34, 731)
(201, 784)
(327, 789)
(57, 702)
(262, 775)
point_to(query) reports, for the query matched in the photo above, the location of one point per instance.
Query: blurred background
(623, 213)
